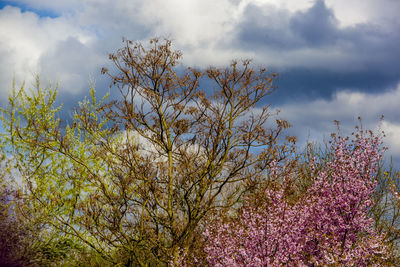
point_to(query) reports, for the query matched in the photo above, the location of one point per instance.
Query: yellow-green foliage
(55, 167)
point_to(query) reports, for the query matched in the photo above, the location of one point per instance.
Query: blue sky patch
(25, 8)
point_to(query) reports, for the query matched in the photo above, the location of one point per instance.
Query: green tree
(133, 180)
(39, 192)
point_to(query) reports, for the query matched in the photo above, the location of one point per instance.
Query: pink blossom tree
(327, 225)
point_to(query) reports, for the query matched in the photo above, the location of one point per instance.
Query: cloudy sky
(337, 59)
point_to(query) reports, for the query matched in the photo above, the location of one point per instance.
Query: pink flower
(327, 226)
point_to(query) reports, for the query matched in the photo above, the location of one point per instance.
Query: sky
(336, 59)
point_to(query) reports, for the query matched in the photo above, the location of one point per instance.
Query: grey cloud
(265, 26)
(317, 26)
(315, 56)
(314, 38)
(277, 28)
(296, 84)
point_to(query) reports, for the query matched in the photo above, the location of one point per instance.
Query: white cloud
(291, 5)
(314, 119)
(25, 38)
(351, 12)
(71, 63)
(191, 22)
(392, 132)
(70, 48)
(206, 56)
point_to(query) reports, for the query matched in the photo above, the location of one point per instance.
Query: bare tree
(204, 141)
